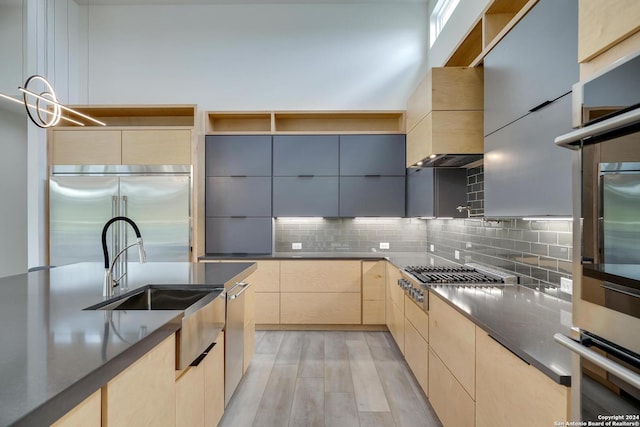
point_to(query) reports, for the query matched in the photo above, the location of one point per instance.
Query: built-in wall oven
(606, 296)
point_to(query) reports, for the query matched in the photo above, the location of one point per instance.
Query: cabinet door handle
(204, 354)
(540, 106)
(306, 176)
(238, 176)
(373, 176)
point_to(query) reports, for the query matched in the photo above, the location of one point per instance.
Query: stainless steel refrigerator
(83, 198)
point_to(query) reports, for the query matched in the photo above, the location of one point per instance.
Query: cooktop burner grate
(432, 275)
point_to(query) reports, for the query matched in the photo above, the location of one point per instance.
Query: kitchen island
(55, 353)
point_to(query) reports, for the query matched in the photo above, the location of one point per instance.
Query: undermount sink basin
(159, 298)
(202, 320)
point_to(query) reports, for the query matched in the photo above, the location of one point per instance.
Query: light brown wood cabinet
(114, 147)
(190, 397)
(200, 390)
(453, 338)
(214, 383)
(320, 292)
(373, 292)
(395, 306)
(156, 147)
(509, 391)
(144, 393)
(249, 327)
(453, 405)
(320, 308)
(267, 308)
(320, 276)
(86, 414)
(86, 147)
(445, 114)
(604, 23)
(266, 291)
(416, 350)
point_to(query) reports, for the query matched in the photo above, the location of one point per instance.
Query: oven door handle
(608, 365)
(244, 286)
(570, 140)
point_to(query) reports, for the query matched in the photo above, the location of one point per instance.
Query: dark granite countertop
(55, 354)
(521, 319)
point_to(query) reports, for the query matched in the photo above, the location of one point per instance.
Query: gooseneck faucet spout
(109, 282)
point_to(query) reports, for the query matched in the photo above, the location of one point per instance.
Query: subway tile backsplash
(539, 252)
(350, 234)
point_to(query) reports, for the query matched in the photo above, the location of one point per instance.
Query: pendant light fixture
(43, 107)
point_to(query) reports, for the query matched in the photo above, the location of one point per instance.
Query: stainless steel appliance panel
(160, 207)
(78, 209)
(621, 228)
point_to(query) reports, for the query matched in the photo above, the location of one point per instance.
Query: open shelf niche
(174, 116)
(499, 17)
(305, 122)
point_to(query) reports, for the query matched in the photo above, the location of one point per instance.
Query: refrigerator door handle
(122, 229)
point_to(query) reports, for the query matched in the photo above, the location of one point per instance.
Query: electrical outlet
(296, 246)
(456, 254)
(432, 248)
(384, 245)
(468, 245)
(566, 285)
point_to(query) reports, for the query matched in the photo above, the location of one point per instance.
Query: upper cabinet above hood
(445, 118)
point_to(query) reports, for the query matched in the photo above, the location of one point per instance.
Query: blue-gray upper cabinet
(238, 235)
(534, 63)
(295, 155)
(525, 173)
(305, 196)
(238, 196)
(433, 192)
(372, 196)
(238, 155)
(362, 155)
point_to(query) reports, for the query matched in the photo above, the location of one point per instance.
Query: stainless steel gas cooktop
(468, 275)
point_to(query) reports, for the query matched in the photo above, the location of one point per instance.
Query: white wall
(459, 23)
(257, 57)
(13, 145)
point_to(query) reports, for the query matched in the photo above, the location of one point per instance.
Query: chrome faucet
(109, 282)
(464, 208)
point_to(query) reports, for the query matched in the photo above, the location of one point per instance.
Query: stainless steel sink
(202, 320)
(159, 298)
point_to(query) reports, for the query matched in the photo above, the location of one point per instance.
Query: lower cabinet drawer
(416, 352)
(320, 308)
(190, 397)
(267, 308)
(452, 404)
(395, 323)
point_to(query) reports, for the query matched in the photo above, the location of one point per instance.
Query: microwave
(606, 265)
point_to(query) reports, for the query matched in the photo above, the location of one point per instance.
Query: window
(439, 17)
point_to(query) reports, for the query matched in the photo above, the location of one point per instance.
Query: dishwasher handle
(232, 296)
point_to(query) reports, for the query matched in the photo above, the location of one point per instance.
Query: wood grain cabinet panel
(320, 276)
(249, 327)
(156, 147)
(453, 405)
(416, 353)
(190, 397)
(85, 414)
(453, 339)
(395, 323)
(373, 292)
(509, 391)
(214, 383)
(603, 23)
(90, 147)
(324, 308)
(143, 394)
(417, 317)
(267, 308)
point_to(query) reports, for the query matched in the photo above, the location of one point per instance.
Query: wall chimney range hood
(449, 160)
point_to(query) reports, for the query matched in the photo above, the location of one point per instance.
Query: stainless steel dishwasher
(234, 339)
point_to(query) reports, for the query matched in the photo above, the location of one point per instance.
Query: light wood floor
(342, 379)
